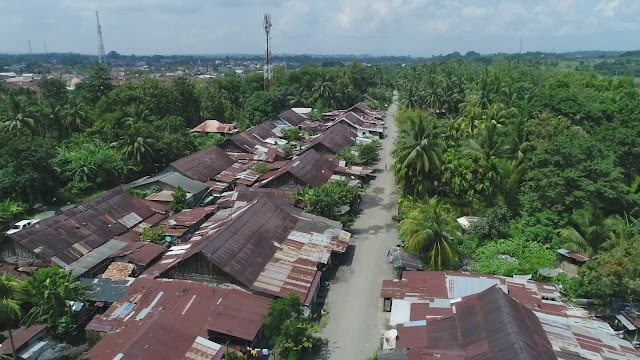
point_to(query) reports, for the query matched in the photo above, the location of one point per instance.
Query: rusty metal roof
(292, 118)
(572, 255)
(204, 164)
(335, 139)
(140, 253)
(215, 126)
(189, 217)
(250, 194)
(160, 319)
(20, 338)
(488, 325)
(67, 237)
(310, 168)
(266, 246)
(252, 137)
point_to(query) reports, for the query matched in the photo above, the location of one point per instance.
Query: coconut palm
(433, 95)
(520, 144)
(137, 114)
(417, 155)
(135, 145)
(323, 89)
(75, 115)
(299, 98)
(489, 144)
(428, 231)
(619, 229)
(411, 98)
(586, 232)
(49, 114)
(9, 305)
(483, 92)
(16, 115)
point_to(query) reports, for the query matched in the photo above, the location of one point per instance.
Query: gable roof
(67, 237)
(204, 164)
(337, 137)
(311, 168)
(171, 178)
(214, 126)
(247, 140)
(292, 118)
(140, 253)
(488, 325)
(266, 246)
(160, 319)
(20, 338)
(243, 194)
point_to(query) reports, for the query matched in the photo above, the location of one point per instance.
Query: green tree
(179, 201)
(75, 115)
(292, 134)
(49, 295)
(9, 210)
(54, 90)
(16, 115)
(96, 85)
(154, 234)
(417, 155)
(347, 156)
(429, 231)
(489, 144)
(327, 200)
(369, 153)
(261, 168)
(9, 304)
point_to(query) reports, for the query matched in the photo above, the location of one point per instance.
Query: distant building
(214, 127)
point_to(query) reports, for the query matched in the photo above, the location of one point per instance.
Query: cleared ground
(355, 314)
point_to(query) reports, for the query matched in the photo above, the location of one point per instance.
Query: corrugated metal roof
(175, 313)
(292, 117)
(335, 139)
(488, 325)
(268, 247)
(20, 338)
(171, 178)
(189, 217)
(95, 257)
(118, 271)
(204, 164)
(106, 290)
(310, 168)
(140, 253)
(252, 137)
(569, 254)
(214, 126)
(71, 235)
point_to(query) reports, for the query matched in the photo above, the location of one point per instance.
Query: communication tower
(102, 58)
(268, 65)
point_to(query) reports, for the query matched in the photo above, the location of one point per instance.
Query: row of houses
(245, 241)
(459, 315)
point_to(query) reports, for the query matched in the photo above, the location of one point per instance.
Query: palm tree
(411, 99)
(620, 230)
(428, 231)
(49, 113)
(323, 89)
(469, 121)
(9, 305)
(75, 115)
(489, 144)
(15, 115)
(433, 94)
(417, 155)
(135, 145)
(137, 114)
(586, 232)
(483, 92)
(520, 144)
(299, 98)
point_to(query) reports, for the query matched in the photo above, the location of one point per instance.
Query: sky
(375, 27)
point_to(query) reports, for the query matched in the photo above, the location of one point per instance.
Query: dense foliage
(546, 158)
(334, 200)
(62, 145)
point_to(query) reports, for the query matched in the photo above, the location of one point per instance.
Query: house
(168, 181)
(570, 262)
(81, 239)
(181, 225)
(245, 195)
(238, 174)
(214, 127)
(292, 118)
(263, 246)
(425, 304)
(262, 140)
(203, 165)
(159, 319)
(368, 100)
(309, 169)
(23, 339)
(141, 254)
(333, 140)
(363, 128)
(106, 291)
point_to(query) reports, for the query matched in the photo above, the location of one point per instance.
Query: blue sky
(379, 27)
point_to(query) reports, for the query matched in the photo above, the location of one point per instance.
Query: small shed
(403, 261)
(570, 262)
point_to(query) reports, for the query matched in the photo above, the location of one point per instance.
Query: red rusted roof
(489, 325)
(214, 126)
(189, 217)
(310, 168)
(424, 285)
(292, 118)
(204, 164)
(250, 194)
(161, 319)
(67, 237)
(255, 136)
(20, 338)
(335, 139)
(268, 247)
(140, 253)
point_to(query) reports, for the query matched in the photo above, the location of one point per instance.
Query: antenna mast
(30, 52)
(268, 66)
(45, 48)
(102, 58)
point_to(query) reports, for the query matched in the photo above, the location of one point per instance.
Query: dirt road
(355, 315)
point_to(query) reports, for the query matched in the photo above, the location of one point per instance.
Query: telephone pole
(102, 58)
(268, 65)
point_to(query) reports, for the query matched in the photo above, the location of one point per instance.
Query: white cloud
(608, 7)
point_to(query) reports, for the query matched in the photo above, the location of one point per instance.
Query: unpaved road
(355, 313)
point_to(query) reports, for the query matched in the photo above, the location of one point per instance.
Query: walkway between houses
(354, 308)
